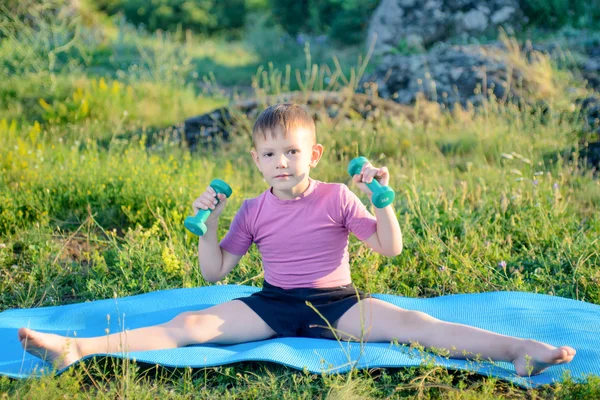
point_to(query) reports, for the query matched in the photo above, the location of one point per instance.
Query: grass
(486, 200)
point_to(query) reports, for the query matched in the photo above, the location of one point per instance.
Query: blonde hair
(281, 119)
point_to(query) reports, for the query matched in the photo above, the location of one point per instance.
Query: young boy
(301, 228)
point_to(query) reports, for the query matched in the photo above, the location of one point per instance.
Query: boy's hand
(208, 201)
(367, 174)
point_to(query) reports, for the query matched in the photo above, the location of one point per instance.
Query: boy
(301, 228)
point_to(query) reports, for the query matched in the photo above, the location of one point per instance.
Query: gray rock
(208, 130)
(503, 15)
(421, 24)
(448, 75)
(407, 3)
(475, 20)
(593, 62)
(590, 110)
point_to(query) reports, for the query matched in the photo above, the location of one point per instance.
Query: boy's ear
(317, 152)
(255, 158)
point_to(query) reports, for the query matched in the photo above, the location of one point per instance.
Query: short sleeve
(356, 218)
(239, 238)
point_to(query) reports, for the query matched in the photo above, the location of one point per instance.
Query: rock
(503, 15)
(593, 79)
(451, 74)
(591, 68)
(206, 128)
(388, 12)
(210, 128)
(421, 24)
(591, 155)
(475, 20)
(590, 110)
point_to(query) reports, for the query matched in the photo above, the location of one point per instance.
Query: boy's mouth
(283, 176)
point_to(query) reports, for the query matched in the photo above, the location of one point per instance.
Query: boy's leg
(384, 322)
(227, 323)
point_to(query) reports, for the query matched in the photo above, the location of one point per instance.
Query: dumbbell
(382, 195)
(196, 224)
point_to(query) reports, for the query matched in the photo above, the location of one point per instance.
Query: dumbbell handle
(382, 195)
(196, 224)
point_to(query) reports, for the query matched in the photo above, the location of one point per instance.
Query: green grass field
(491, 200)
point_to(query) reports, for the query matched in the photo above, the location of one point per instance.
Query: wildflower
(502, 264)
(45, 105)
(535, 182)
(171, 263)
(555, 186)
(442, 268)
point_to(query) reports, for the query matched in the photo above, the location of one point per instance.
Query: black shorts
(286, 311)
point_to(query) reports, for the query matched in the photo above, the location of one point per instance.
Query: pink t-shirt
(304, 241)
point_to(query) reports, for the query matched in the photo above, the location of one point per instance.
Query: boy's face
(285, 161)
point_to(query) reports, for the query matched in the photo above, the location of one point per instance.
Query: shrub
(208, 16)
(557, 13)
(344, 21)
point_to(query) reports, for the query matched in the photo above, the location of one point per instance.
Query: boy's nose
(282, 161)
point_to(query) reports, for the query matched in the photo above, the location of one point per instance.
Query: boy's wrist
(211, 231)
(212, 221)
(386, 212)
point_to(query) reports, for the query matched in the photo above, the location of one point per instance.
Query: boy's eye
(294, 151)
(267, 154)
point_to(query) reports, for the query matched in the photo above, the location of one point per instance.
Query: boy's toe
(564, 354)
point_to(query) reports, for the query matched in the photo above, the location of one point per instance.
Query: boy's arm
(215, 262)
(210, 256)
(387, 240)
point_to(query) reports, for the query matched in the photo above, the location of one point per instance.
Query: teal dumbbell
(382, 195)
(196, 224)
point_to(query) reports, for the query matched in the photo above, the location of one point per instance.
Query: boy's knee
(416, 318)
(187, 320)
(189, 328)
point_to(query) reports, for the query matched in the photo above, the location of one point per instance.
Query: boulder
(239, 117)
(591, 68)
(450, 74)
(419, 24)
(590, 110)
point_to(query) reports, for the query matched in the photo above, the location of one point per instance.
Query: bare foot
(49, 347)
(535, 357)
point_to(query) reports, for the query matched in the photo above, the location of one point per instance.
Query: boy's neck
(294, 192)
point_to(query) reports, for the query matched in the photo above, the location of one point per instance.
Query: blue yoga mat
(554, 320)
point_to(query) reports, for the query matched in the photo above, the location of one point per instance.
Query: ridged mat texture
(554, 320)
